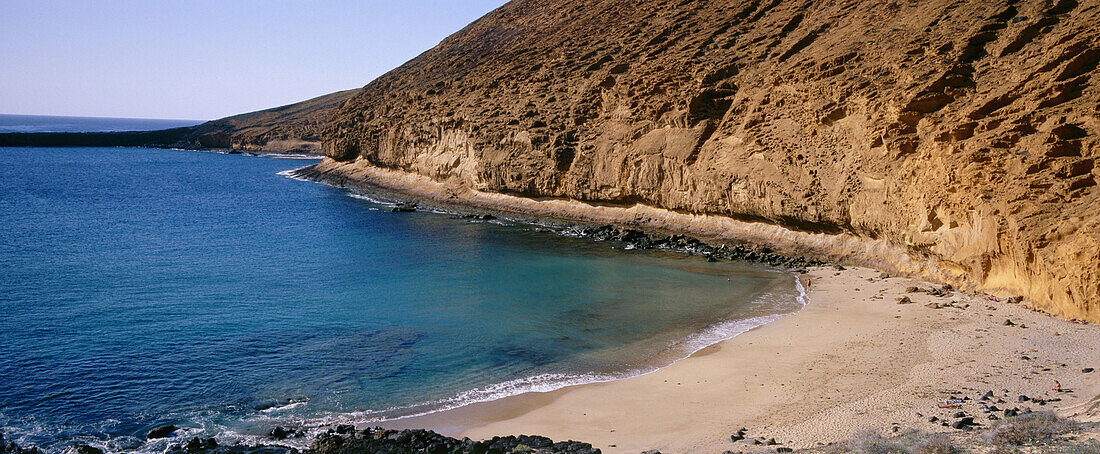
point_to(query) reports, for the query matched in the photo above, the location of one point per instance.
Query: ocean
(141, 287)
(45, 123)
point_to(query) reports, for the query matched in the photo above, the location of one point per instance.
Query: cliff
(292, 128)
(958, 138)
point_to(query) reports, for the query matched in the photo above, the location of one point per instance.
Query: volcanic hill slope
(291, 128)
(962, 133)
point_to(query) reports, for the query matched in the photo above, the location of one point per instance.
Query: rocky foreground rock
(346, 440)
(961, 133)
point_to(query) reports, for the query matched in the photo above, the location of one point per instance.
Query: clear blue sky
(206, 59)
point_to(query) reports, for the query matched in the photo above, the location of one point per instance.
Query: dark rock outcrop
(9, 447)
(424, 441)
(164, 431)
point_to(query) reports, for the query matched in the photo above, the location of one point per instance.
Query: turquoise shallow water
(140, 287)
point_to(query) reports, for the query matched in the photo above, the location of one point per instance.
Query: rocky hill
(292, 128)
(961, 133)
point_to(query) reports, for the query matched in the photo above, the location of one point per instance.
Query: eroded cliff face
(963, 132)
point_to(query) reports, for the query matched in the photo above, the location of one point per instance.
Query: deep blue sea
(140, 287)
(44, 123)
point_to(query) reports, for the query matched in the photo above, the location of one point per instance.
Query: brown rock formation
(964, 133)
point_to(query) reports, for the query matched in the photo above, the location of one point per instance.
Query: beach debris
(1087, 370)
(937, 292)
(1057, 387)
(164, 431)
(953, 403)
(651, 451)
(1008, 322)
(784, 449)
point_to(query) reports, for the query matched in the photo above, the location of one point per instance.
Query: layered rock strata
(955, 139)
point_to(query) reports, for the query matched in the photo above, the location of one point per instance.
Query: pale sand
(852, 359)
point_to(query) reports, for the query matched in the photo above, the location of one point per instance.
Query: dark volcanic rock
(161, 432)
(210, 446)
(280, 433)
(9, 447)
(424, 441)
(641, 240)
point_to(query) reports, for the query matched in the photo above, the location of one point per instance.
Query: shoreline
(853, 358)
(828, 247)
(845, 363)
(571, 381)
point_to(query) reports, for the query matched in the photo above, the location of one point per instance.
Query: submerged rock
(83, 449)
(164, 431)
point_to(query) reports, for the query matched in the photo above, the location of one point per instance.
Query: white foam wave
(290, 156)
(370, 199)
(709, 336)
(293, 174)
(286, 407)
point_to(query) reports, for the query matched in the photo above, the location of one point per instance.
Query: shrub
(1029, 428)
(869, 442)
(937, 444)
(1085, 447)
(910, 442)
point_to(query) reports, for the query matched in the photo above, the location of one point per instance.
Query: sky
(206, 59)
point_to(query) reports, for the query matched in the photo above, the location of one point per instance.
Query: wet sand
(853, 359)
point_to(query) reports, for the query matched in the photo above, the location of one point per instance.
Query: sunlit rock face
(962, 132)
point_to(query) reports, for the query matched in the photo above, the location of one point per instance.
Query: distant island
(294, 128)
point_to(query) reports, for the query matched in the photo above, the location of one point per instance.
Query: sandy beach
(853, 359)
